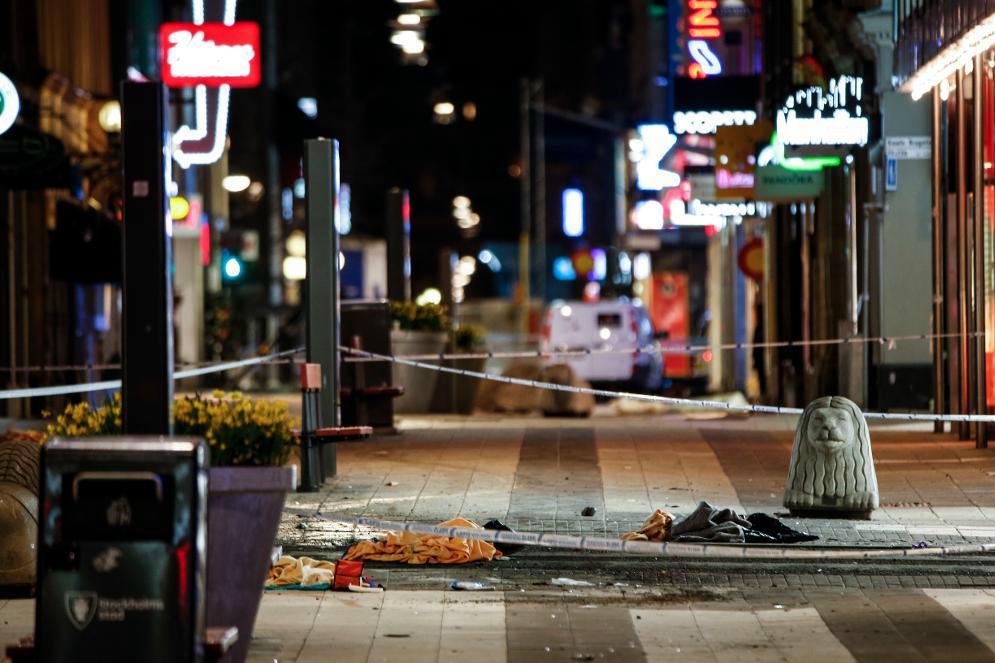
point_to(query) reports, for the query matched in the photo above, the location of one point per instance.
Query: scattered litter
(620, 584)
(588, 511)
(468, 586)
(503, 548)
(546, 648)
(366, 585)
(778, 606)
(301, 525)
(489, 579)
(570, 582)
(589, 606)
(583, 657)
(300, 573)
(424, 548)
(655, 528)
(391, 483)
(920, 545)
(397, 635)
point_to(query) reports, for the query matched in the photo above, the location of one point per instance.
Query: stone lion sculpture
(831, 464)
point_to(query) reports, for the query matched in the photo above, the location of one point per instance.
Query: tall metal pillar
(939, 385)
(963, 427)
(979, 266)
(147, 340)
(525, 180)
(321, 175)
(398, 245)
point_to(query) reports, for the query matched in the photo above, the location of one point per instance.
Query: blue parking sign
(891, 174)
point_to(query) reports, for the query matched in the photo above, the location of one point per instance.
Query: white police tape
(653, 398)
(890, 342)
(666, 548)
(108, 385)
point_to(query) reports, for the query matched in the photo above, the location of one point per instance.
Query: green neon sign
(801, 164)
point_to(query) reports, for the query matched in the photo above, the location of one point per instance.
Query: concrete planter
(419, 383)
(243, 512)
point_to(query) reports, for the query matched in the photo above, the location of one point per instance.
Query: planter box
(243, 511)
(418, 383)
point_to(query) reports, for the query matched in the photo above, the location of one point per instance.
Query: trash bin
(121, 550)
(370, 321)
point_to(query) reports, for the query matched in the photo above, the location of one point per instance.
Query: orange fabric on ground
(425, 548)
(656, 528)
(303, 571)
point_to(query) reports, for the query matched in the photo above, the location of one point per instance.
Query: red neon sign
(702, 21)
(211, 54)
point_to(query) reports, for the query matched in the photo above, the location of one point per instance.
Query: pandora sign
(211, 54)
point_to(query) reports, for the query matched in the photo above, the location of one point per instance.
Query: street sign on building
(891, 174)
(777, 184)
(908, 147)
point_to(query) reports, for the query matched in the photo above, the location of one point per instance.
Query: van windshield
(610, 320)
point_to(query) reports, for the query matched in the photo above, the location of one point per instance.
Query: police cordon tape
(86, 387)
(890, 342)
(654, 398)
(665, 548)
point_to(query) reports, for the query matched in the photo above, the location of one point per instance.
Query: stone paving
(539, 474)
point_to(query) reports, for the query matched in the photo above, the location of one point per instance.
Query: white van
(618, 325)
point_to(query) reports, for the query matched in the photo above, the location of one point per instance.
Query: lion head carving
(831, 464)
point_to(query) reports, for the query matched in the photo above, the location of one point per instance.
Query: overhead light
(459, 201)
(109, 116)
(255, 191)
(429, 296)
(955, 56)
(295, 268)
(402, 37)
(236, 183)
(409, 19)
(444, 108)
(642, 266)
(573, 212)
(179, 208)
(296, 244)
(308, 106)
(233, 268)
(470, 111)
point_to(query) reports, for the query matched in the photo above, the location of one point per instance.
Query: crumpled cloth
(425, 548)
(656, 528)
(708, 523)
(305, 572)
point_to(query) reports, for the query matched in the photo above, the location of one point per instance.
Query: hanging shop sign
(833, 118)
(10, 103)
(212, 57)
(778, 184)
(751, 259)
(647, 150)
(703, 27)
(735, 159)
(708, 122)
(908, 147)
(211, 54)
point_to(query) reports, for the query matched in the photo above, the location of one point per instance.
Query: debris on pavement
(469, 586)
(300, 573)
(588, 511)
(391, 483)
(714, 525)
(504, 548)
(366, 585)
(414, 548)
(655, 528)
(570, 582)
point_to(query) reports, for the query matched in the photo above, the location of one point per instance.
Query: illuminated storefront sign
(647, 150)
(702, 25)
(708, 122)
(10, 103)
(816, 117)
(735, 159)
(212, 58)
(211, 54)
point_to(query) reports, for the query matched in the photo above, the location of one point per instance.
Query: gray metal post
(398, 245)
(321, 175)
(147, 341)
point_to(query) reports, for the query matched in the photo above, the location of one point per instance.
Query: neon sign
(703, 24)
(813, 116)
(10, 103)
(647, 151)
(231, 59)
(210, 54)
(706, 122)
